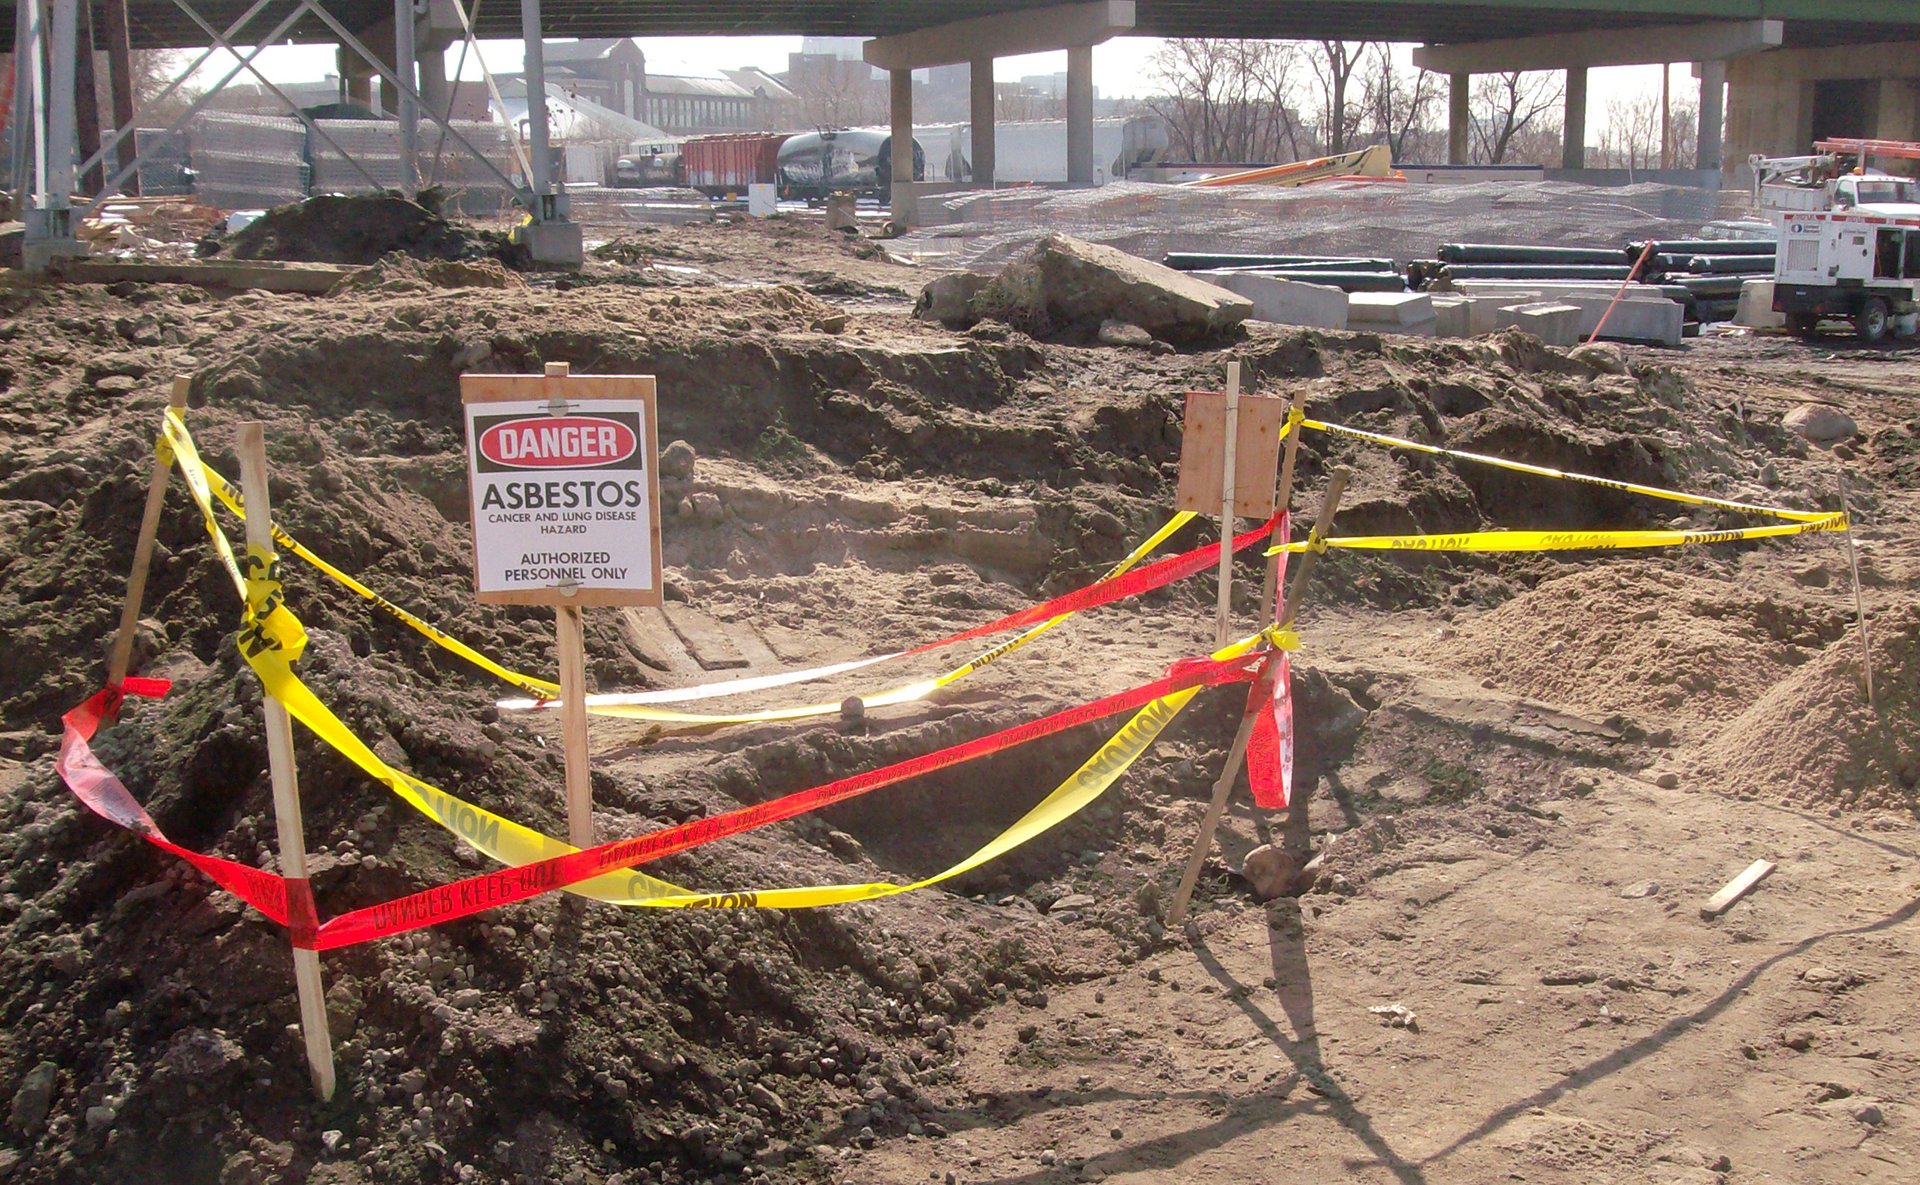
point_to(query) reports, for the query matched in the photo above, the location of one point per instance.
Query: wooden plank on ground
(266, 275)
(705, 638)
(1736, 888)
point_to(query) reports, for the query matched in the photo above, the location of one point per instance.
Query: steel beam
(113, 31)
(534, 77)
(1646, 46)
(1034, 30)
(409, 105)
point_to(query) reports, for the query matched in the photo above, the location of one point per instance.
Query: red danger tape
(102, 793)
(290, 901)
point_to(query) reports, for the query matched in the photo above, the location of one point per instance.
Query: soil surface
(1523, 774)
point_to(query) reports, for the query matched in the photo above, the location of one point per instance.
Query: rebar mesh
(241, 161)
(1401, 221)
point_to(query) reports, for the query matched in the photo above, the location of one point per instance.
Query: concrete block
(1285, 302)
(1453, 315)
(1656, 321)
(1553, 323)
(1387, 311)
(1756, 307)
(556, 244)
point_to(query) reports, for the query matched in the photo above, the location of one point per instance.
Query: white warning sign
(565, 494)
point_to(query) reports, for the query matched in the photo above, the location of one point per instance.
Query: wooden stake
(1736, 888)
(1859, 606)
(1282, 500)
(1222, 616)
(1223, 789)
(122, 654)
(573, 725)
(252, 446)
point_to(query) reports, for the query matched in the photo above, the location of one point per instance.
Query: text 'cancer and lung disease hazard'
(561, 501)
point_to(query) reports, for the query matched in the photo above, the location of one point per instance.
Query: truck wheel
(1802, 323)
(1872, 321)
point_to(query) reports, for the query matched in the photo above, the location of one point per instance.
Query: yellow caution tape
(234, 502)
(1802, 516)
(1561, 540)
(273, 637)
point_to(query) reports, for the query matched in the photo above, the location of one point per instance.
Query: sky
(1121, 67)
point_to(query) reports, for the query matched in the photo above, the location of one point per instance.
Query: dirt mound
(361, 228)
(1641, 641)
(398, 273)
(1812, 740)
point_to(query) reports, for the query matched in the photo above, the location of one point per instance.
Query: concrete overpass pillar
(1459, 118)
(980, 84)
(900, 118)
(1080, 115)
(436, 90)
(1573, 145)
(1713, 99)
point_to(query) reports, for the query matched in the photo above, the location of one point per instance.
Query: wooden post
(573, 725)
(1222, 616)
(1222, 789)
(1282, 500)
(122, 654)
(252, 446)
(1859, 606)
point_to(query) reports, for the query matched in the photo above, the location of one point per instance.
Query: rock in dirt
(1067, 286)
(677, 460)
(1599, 358)
(34, 1098)
(949, 299)
(1119, 333)
(360, 228)
(1819, 423)
(1271, 871)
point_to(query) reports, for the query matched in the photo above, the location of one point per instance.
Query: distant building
(612, 73)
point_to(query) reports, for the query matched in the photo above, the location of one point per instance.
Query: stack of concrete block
(1463, 316)
(1652, 318)
(1391, 312)
(1554, 323)
(1284, 302)
(1756, 307)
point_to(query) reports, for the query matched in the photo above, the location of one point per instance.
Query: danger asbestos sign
(565, 493)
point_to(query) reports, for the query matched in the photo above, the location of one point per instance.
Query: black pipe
(1712, 287)
(1514, 253)
(1346, 281)
(1703, 247)
(1535, 271)
(1727, 265)
(1194, 261)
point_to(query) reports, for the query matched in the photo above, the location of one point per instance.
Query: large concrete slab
(1285, 302)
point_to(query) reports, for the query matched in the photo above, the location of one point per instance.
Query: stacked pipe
(1703, 274)
(1348, 273)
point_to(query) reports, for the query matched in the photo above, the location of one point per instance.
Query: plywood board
(1256, 458)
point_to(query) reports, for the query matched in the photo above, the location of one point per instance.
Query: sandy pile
(1635, 639)
(1813, 740)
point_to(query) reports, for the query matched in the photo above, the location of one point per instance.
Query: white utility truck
(1849, 265)
(1840, 177)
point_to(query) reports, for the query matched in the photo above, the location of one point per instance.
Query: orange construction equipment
(1372, 163)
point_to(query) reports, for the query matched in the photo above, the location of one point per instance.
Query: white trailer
(1844, 264)
(1036, 151)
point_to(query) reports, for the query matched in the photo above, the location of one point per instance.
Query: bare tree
(1630, 139)
(1506, 106)
(1398, 104)
(1226, 99)
(1334, 64)
(836, 94)
(1021, 104)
